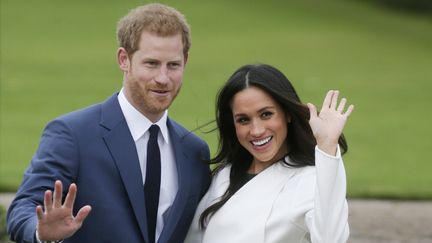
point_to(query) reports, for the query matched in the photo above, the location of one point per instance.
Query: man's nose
(162, 75)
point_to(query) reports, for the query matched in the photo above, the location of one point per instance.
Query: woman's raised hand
(328, 124)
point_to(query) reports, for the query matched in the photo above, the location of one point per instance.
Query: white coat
(281, 204)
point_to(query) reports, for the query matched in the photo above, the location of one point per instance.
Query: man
(140, 175)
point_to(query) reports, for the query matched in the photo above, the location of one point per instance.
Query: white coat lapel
(248, 210)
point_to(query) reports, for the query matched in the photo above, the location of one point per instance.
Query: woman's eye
(266, 114)
(242, 120)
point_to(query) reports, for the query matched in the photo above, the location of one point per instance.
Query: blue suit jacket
(94, 148)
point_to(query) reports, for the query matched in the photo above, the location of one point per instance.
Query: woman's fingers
(341, 105)
(312, 110)
(349, 110)
(327, 99)
(334, 99)
(331, 102)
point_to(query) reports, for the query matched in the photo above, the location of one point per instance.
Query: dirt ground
(376, 221)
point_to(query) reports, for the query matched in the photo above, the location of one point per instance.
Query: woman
(281, 179)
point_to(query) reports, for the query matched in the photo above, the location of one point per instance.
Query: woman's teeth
(262, 141)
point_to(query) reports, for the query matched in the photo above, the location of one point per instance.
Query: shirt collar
(139, 124)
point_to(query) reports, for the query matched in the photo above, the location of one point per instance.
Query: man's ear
(186, 55)
(123, 59)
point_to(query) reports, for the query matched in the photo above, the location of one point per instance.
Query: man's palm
(57, 221)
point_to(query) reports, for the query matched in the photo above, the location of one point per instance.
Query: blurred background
(58, 56)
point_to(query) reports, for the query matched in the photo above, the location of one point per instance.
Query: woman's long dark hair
(300, 139)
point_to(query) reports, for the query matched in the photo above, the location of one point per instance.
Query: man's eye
(174, 65)
(151, 64)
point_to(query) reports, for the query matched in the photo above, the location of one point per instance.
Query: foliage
(416, 6)
(3, 233)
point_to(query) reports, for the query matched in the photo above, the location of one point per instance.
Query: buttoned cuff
(337, 156)
(46, 241)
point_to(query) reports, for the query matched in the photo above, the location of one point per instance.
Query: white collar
(139, 124)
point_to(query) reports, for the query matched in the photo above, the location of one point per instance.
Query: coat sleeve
(55, 159)
(328, 220)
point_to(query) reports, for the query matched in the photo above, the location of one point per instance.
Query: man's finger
(58, 191)
(39, 212)
(70, 197)
(82, 214)
(48, 200)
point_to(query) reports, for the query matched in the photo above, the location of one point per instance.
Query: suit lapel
(182, 196)
(122, 148)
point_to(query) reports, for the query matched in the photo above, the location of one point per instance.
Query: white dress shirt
(139, 125)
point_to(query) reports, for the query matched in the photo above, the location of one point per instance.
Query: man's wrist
(46, 241)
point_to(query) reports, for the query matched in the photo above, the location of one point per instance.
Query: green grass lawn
(57, 56)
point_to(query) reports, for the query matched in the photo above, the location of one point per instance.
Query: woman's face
(261, 127)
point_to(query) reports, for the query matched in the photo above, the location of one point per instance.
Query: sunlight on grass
(60, 56)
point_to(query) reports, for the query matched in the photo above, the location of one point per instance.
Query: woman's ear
(123, 59)
(288, 118)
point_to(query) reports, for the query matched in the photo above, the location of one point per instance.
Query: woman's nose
(257, 129)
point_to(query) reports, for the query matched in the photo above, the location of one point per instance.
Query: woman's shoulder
(219, 184)
(305, 175)
(301, 171)
(222, 171)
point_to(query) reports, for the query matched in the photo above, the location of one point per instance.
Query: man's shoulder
(181, 131)
(90, 112)
(84, 119)
(81, 114)
(188, 141)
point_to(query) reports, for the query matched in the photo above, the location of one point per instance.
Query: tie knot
(154, 130)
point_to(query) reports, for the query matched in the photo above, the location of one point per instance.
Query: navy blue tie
(152, 182)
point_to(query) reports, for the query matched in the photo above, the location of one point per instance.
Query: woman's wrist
(329, 148)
